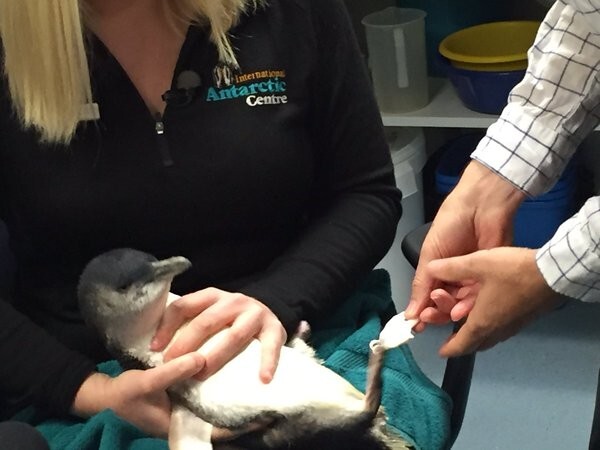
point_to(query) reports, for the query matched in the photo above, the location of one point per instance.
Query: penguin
(123, 293)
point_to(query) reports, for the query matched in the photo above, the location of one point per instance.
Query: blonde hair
(45, 61)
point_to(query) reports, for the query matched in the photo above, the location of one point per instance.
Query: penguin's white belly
(300, 383)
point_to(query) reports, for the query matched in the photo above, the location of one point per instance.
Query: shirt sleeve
(570, 261)
(556, 104)
(37, 369)
(549, 113)
(356, 205)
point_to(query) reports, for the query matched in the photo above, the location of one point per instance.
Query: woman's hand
(476, 215)
(212, 310)
(137, 396)
(505, 289)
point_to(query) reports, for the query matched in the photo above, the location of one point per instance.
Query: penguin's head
(124, 283)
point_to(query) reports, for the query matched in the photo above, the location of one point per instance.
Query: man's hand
(506, 291)
(476, 215)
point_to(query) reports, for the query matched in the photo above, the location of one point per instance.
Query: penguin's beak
(170, 267)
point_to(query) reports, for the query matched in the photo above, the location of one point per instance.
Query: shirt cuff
(517, 150)
(570, 262)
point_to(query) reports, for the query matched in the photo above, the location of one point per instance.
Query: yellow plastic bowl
(495, 46)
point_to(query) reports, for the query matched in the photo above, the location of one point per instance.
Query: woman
(240, 134)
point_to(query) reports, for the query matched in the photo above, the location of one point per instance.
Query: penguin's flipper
(188, 432)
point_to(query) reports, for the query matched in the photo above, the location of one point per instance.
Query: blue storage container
(485, 92)
(537, 218)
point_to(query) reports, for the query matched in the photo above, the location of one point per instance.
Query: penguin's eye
(123, 287)
(123, 283)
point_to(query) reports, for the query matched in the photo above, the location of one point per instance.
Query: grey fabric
(21, 436)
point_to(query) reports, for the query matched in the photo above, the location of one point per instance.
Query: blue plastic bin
(537, 218)
(485, 92)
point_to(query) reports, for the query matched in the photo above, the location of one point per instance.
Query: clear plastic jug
(397, 58)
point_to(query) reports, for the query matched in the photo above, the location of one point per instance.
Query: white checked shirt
(548, 114)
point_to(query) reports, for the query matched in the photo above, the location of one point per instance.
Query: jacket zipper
(161, 139)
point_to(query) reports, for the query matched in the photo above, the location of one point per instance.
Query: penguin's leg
(188, 432)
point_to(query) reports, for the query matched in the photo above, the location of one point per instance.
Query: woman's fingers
(180, 311)
(139, 396)
(251, 324)
(229, 344)
(199, 330)
(236, 317)
(210, 310)
(161, 377)
(272, 338)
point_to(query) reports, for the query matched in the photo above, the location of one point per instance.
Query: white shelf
(445, 110)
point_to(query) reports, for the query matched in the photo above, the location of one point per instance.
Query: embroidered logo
(263, 87)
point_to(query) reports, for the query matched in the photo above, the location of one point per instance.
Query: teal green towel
(417, 409)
